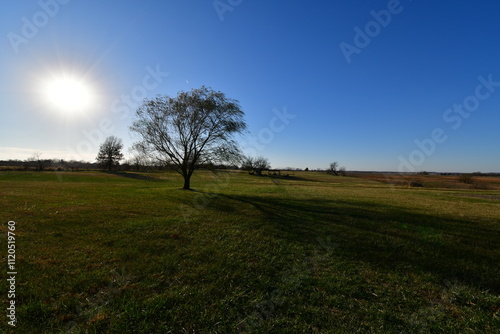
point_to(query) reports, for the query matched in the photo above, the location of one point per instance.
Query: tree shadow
(386, 236)
(286, 177)
(293, 178)
(135, 176)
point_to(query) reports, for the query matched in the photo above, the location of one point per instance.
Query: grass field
(312, 253)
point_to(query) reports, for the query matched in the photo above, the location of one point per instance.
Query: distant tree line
(47, 165)
(140, 162)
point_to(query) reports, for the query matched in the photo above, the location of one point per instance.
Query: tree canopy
(193, 128)
(110, 153)
(255, 165)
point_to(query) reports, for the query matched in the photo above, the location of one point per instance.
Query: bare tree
(110, 153)
(260, 164)
(333, 168)
(193, 128)
(37, 156)
(139, 158)
(34, 161)
(247, 164)
(255, 165)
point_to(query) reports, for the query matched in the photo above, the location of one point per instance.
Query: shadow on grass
(135, 176)
(391, 238)
(290, 178)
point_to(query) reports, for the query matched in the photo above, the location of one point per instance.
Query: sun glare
(68, 94)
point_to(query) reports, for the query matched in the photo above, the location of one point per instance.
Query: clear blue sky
(362, 99)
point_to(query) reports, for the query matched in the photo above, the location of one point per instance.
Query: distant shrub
(466, 178)
(416, 184)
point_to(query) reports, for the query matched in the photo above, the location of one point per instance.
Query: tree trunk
(187, 182)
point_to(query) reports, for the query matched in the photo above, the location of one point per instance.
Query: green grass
(133, 253)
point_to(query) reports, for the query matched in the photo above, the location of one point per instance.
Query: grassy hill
(310, 253)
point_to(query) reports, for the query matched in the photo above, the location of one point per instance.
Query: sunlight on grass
(109, 252)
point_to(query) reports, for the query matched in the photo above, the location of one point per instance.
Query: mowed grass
(312, 253)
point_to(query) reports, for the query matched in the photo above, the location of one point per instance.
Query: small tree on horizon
(110, 153)
(36, 161)
(260, 164)
(255, 165)
(333, 168)
(139, 158)
(247, 164)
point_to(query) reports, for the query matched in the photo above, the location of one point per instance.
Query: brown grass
(433, 181)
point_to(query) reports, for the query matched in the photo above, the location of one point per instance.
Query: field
(464, 181)
(310, 253)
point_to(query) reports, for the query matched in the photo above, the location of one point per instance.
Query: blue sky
(375, 85)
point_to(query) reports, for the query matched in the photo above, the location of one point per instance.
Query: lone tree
(36, 160)
(247, 164)
(333, 168)
(110, 153)
(255, 165)
(191, 129)
(260, 164)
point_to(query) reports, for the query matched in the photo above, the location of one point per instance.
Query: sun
(68, 94)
